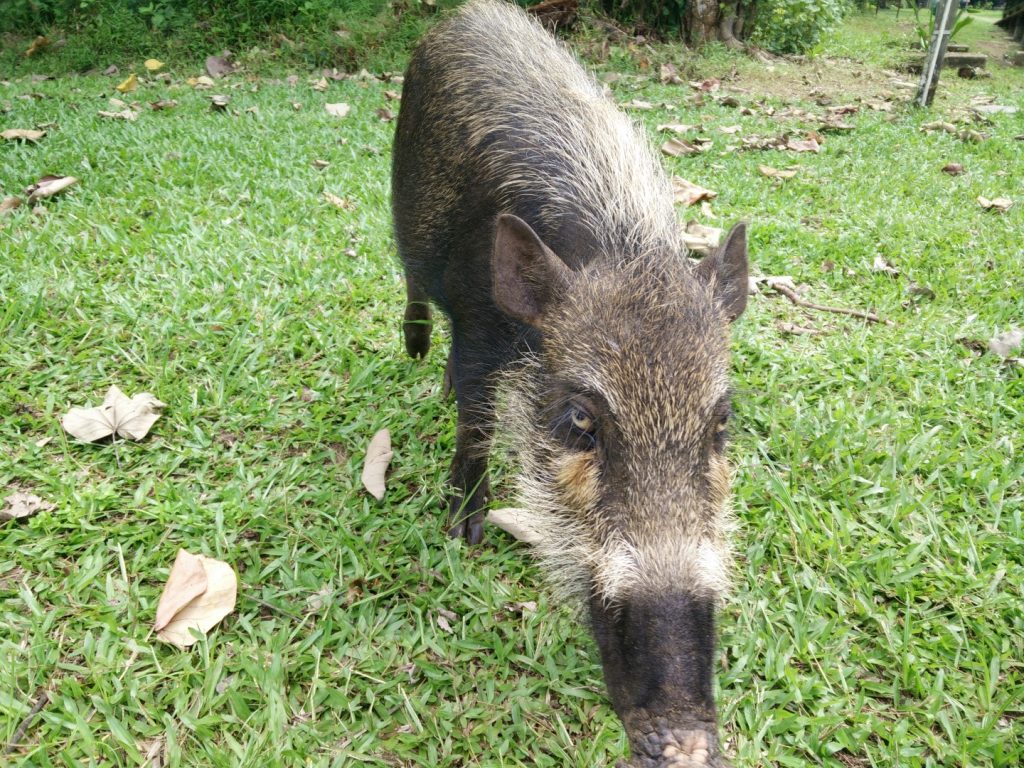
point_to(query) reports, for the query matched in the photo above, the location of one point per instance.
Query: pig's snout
(657, 745)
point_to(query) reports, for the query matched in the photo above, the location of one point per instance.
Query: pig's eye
(581, 420)
(575, 427)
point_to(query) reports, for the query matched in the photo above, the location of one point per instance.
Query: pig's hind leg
(418, 323)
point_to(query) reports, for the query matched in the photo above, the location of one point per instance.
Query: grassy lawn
(877, 616)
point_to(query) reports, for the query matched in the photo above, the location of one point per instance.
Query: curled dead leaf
(701, 239)
(201, 82)
(8, 204)
(803, 145)
(156, 106)
(999, 204)
(339, 202)
(676, 147)
(669, 75)
(219, 102)
(37, 45)
(218, 66)
(22, 134)
(378, 457)
(199, 593)
(153, 65)
(129, 84)
(675, 128)
(130, 418)
(21, 504)
(1005, 344)
(48, 186)
(730, 129)
(124, 114)
(776, 173)
(688, 193)
(514, 522)
(320, 85)
(337, 110)
(881, 265)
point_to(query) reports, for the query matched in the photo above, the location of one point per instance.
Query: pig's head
(620, 427)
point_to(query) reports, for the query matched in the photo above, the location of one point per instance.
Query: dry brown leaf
(514, 521)
(320, 85)
(129, 84)
(337, 110)
(186, 581)
(688, 193)
(184, 607)
(218, 66)
(707, 86)
(953, 169)
(669, 75)
(1000, 204)
(392, 95)
(730, 129)
(163, 104)
(48, 186)
(124, 114)
(201, 82)
(153, 65)
(23, 134)
(21, 504)
(385, 115)
(776, 173)
(130, 418)
(375, 466)
(939, 125)
(798, 330)
(881, 265)
(37, 45)
(675, 128)
(320, 165)
(803, 145)
(638, 104)
(219, 101)
(1005, 344)
(701, 239)
(676, 147)
(340, 202)
(8, 204)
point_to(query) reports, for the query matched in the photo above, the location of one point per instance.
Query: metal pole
(945, 19)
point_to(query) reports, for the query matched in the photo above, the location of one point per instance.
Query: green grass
(877, 617)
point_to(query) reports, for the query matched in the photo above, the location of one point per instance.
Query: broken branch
(793, 297)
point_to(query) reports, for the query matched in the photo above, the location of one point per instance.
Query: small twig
(41, 701)
(792, 296)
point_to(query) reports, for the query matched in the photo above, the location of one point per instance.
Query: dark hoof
(466, 517)
(417, 328)
(471, 529)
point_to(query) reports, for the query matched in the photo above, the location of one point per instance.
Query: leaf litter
(119, 415)
(21, 504)
(375, 466)
(199, 593)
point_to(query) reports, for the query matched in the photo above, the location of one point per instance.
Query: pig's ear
(527, 276)
(725, 270)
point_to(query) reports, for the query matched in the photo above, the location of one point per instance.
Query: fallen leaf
(513, 521)
(37, 45)
(701, 239)
(994, 109)
(186, 581)
(939, 125)
(129, 84)
(131, 418)
(638, 104)
(798, 330)
(1000, 204)
(776, 173)
(218, 66)
(953, 169)
(8, 204)
(320, 165)
(23, 134)
(219, 102)
(340, 202)
(676, 147)
(675, 128)
(163, 104)
(153, 65)
(916, 290)
(124, 114)
(730, 129)
(317, 600)
(337, 110)
(709, 85)
(200, 591)
(378, 456)
(881, 265)
(320, 85)
(201, 82)
(21, 504)
(385, 115)
(1006, 343)
(689, 193)
(392, 95)
(442, 622)
(803, 145)
(48, 186)
(111, 70)
(669, 75)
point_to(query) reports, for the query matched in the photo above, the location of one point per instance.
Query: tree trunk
(702, 21)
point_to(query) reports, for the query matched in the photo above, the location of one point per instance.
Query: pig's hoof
(416, 329)
(463, 524)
